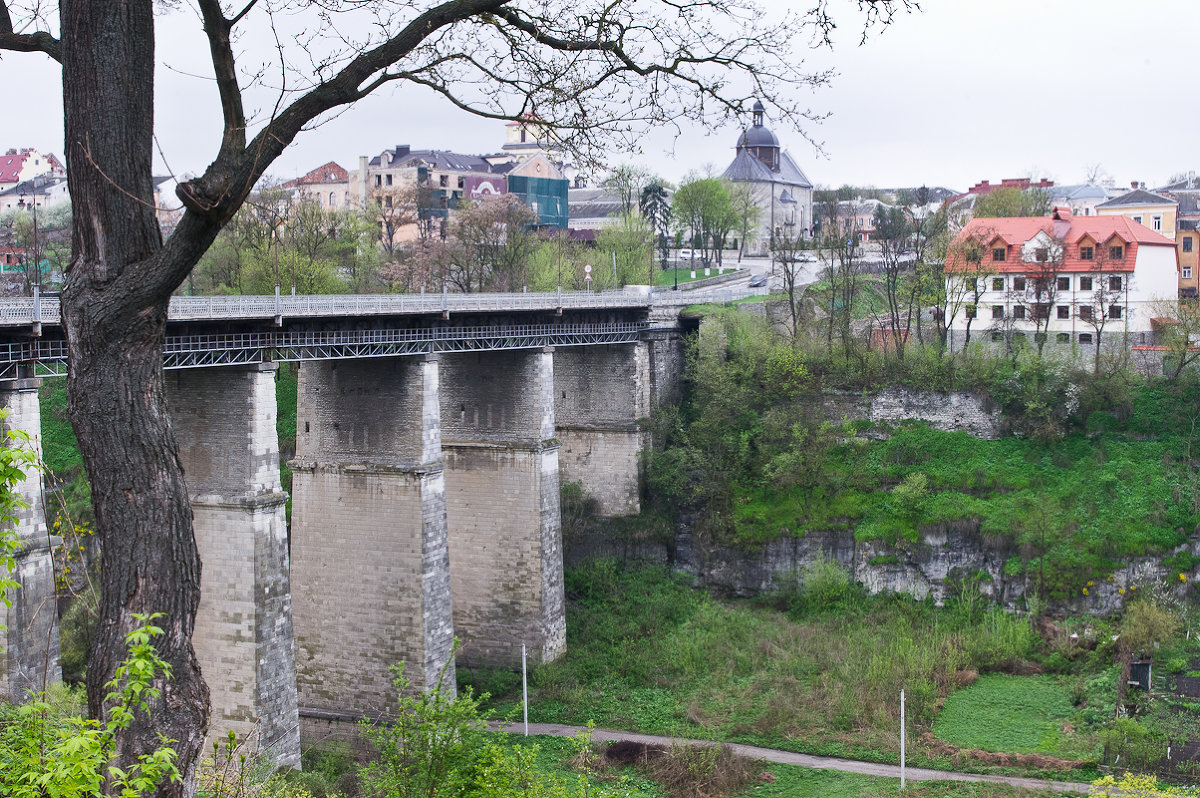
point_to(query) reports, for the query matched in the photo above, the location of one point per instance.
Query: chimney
(1133, 184)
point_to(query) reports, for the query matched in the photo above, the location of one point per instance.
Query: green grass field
(1024, 714)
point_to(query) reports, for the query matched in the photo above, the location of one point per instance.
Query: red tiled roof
(10, 167)
(326, 173)
(1071, 230)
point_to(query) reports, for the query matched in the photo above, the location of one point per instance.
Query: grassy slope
(648, 653)
(1086, 502)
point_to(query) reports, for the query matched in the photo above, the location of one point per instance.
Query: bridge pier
(502, 505)
(224, 421)
(601, 397)
(29, 652)
(369, 549)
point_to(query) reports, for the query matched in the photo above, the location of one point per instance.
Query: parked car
(758, 281)
(685, 254)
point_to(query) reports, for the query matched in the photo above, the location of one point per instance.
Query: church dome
(757, 134)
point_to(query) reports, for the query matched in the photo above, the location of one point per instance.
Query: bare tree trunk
(114, 313)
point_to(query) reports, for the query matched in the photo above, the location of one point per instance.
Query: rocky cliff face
(943, 410)
(947, 556)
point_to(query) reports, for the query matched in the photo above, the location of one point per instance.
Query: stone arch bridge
(433, 432)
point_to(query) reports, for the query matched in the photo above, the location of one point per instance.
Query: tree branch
(217, 28)
(37, 42)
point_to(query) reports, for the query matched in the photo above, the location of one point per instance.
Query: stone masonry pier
(502, 506)
(601, 399)
(224, 421)
(29, 647)
(370, 562)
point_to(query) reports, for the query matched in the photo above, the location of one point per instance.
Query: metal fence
(16, 311)
(45, 310)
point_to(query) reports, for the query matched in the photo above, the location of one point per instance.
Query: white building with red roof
(328, 186)
(17, 166)
(1069, 278)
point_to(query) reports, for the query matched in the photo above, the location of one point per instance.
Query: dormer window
(1087, 253)
(1042, 254)
(999, 254)
(1116, 253)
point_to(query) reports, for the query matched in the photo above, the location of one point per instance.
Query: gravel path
(803, 760)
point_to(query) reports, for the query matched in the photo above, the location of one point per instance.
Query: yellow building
(1188, 240)
(1155, 211)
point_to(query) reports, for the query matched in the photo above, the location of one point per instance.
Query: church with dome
(779, 187)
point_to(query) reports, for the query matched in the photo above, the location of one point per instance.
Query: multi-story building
(17, 166)
(328, 186)
(1156, 211)
(1186, 192)
(414, 187)
(1068, 278)
(40, 191)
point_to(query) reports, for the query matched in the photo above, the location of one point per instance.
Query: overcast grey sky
(965, 90)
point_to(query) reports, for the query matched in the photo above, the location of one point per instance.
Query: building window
(332, 199)
(1187, 272)
(1064, 311)
(387, 201)
(1187, 243)
(1085, 338)
(1019, 312)
(997, 283)
(1157, 222)
(1116, 253)
(1063, 284)
(1137, 219)
(997, 311)
(378, 181)
(444, 181)
(461, 181)
(999, 253)
(1114, 312)
(1062, 338)
(1018, 283)
(1087, 253)
(1114, 283)
(388, 180)
(1085, 312)
(1042, 254)
(970, 311)
(1085, 283)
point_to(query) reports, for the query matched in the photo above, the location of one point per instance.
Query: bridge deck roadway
(226, 331)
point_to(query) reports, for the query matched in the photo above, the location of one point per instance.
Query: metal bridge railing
(46, 310)
(15, 311)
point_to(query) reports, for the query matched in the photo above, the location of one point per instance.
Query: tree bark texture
(114, 309)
